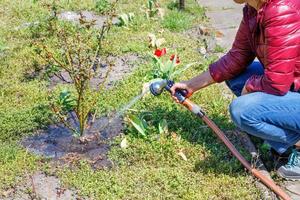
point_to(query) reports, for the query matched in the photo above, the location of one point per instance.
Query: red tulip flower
(159, 53)
(177, 58)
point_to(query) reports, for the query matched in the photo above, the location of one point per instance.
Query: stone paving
(225, 17)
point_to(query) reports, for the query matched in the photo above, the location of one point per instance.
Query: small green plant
(163, 127)
(102, 6)
(139, 124)
(126, 19)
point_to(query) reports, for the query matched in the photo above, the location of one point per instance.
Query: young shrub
(75, 50)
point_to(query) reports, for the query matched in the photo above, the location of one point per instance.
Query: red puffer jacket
(271, 34)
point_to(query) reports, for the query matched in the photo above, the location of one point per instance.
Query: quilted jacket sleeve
(237, 59)
(282, 38)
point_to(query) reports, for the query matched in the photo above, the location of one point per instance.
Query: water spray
(158, 87)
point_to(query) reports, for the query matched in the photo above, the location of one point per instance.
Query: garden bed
(59, 143)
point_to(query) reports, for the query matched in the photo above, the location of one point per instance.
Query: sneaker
(292, 169)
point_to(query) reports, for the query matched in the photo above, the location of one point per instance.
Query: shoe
(292, 169)
(276, 156)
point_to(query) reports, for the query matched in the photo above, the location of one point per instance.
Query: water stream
(130, 104)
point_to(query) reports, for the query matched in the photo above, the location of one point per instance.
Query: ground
(184, 162)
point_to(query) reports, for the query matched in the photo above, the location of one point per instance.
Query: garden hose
(158, 87)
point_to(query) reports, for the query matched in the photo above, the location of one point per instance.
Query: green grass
(154, 170)
(177, 21)
(150, 168)
(14, 164)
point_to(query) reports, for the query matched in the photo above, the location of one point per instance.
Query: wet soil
(59, 143)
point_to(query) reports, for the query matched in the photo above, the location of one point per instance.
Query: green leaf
(66, 100)
(163, 126)
(139, 124)
(180, 71)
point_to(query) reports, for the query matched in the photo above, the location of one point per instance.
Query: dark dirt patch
(58, 143)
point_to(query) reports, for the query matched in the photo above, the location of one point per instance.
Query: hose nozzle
(158, 87)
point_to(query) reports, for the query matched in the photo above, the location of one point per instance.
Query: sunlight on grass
(151, 167)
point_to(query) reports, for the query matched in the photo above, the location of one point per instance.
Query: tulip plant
(164, 67)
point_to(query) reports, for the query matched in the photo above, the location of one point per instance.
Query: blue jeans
(275, 119)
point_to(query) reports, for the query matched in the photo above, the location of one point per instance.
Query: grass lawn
(152, 167)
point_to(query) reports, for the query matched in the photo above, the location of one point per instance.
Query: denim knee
(240, 107)
(236, 109)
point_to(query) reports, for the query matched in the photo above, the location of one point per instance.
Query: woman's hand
(181, 86)
(193, 85)
(244, 91)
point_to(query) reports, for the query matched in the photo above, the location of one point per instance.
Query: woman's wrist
(200, 81)
(191, 86)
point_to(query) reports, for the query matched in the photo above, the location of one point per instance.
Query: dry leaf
(124, 143)
(182, 155)
(175, 137)
(219, 34)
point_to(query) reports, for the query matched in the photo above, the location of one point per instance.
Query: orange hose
(267, 181)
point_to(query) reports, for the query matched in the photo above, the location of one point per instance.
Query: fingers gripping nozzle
(157, 88)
